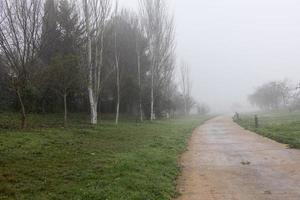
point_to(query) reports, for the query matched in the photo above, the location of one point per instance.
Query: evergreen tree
(61, 41)
(69, 28)
(50, 34)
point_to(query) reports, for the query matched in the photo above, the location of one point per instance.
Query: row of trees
(89, 55)
(276, 95)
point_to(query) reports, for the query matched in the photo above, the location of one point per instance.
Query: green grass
(283, 127)
(126, 162)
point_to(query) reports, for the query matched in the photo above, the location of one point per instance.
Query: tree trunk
(118, 80)
(140, 86)
(99, 70)
(93, 103)
(66, 110)
(93, 106)
(94, 117)
(118, 97)
(185, 106)
(23, 113)
(117, 111)
(152, 117)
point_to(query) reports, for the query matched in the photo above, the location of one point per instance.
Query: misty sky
(233, 46)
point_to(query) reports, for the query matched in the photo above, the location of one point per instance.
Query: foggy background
(234, 46)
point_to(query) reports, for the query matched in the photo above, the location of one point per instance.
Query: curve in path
(226, 162)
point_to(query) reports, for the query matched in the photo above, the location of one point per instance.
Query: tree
(127, 59)
(117, 67)
(61, 37)
(159, 31)
(64, 75)
(50, 34)
(140, 50)
(271, 96)
(124, 26)
(202, 108)
(96, 13)
(20, 32)
(138, 55)
(186, 87)
(69, 27)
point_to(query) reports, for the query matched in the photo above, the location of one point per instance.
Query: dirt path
(226, 162)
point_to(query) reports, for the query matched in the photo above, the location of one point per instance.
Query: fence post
(236, 116)
(256, 121)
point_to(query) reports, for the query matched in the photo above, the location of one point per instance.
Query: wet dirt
(226, 162)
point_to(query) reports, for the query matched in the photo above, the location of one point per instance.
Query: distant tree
(294, 100)
(171, 102)
(186, 87)
(20, 34)
(202, 108)
(175, 101)
(271, 96)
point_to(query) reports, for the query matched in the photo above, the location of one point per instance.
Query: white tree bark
(139, 81)
(93, 106)
(96, 13)
(152, 117)
(159, 31)
(117, 68)
(118, 90)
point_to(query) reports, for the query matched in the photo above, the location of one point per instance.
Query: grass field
(283, 127)
(126, 162)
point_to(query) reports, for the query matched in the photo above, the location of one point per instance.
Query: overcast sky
(233, 46)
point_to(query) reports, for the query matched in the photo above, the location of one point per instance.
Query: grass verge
(126, 162)
(280, 126)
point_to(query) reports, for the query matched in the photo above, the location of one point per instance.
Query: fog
(234, 46)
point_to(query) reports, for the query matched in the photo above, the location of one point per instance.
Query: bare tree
(159, 31)
(128, 54)
(138, 54)
(96, 13)
(136, 25)
(186, 86)
(20, 32)
(117, 67)
(271, 96)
